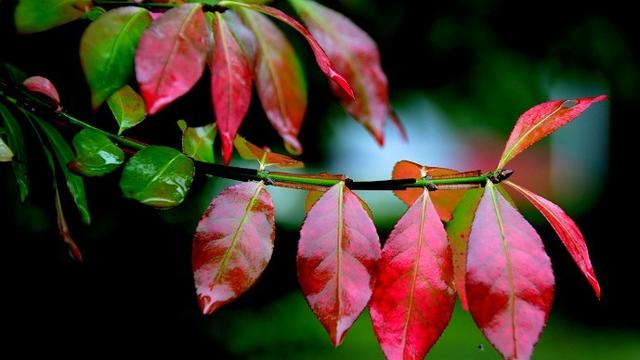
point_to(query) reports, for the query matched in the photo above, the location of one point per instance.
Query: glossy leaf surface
(337, 255)
(39, 15)
(249, 151)
(279, 79)
(171, 55)
(64, 155)
(568, 232)
(127, 107)
(43, 86)
(15, 140)
(540, 121)
(445, 201)
(107, 50)
(197, 142)
(413, 298)
(232, 244)
(458, 230)
(231, 74)
(355, 56)
(509, 277)
(96, 155)
(321, 57)
(157, 176)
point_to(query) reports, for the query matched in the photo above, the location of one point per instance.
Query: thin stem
(151, 6)
(39, 106)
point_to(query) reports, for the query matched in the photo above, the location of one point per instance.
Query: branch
(41, 106)
(152, 6)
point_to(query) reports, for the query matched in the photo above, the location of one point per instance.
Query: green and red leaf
(458, 230)
(231, 75)
(232, 244)
(355, 56)
(127, 107)
(171, 55)
(264, 156)
(107, 50)
(509, 277)
(568, 232)
(540, 121)
(337, 255)
(39, 15)
(413, 297)
(445, 201)
(279, 79)
(321, 57)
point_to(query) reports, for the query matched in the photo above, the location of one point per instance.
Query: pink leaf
(414, 297)
(355, 56)
(231, 75)
(337, 255)
(232, 244)
(43, 86)
(509, 277)
(171, 55)
(540, 121)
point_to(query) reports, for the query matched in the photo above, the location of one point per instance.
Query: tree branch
(42, 106)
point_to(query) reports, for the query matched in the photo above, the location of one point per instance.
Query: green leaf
(15, 75)
(96, 154)
(127, 107)
(6, 154)
(197, 142)
(157, 176)
(64, 155)
(16, 143)
(107, 50)
(39, 15)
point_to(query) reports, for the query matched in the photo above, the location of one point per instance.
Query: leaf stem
(36, 104)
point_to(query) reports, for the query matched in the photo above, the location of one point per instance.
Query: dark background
(134, 292)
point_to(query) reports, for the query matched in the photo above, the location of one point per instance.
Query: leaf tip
(227, 147)
(342, 83)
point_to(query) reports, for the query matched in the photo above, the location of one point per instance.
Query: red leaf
(509, 277)
(321, 57)
(445, 201)
(43, 86)
(568, 232)
(458, 230)
(414, 297)
(540, 121)
(231, 75)
(355, 55)
(232, 244)
(171, 55)
(279, 79)
(337, 256)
